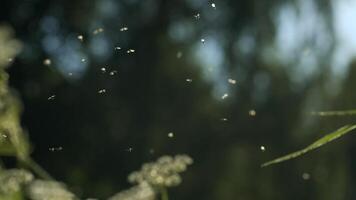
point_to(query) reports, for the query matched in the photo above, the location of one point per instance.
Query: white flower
(143, 191)
(49, 190)
(12, 180)
(164, 172)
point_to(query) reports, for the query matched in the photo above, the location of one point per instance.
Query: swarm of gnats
(33, 182)
(163, 173)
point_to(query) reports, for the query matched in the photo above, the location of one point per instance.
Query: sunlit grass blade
(324, 140)
(334, 113)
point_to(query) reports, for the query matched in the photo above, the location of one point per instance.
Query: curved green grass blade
(334, 113)
(326, 139)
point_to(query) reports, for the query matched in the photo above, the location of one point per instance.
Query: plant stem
(164, 193)
(37, 169)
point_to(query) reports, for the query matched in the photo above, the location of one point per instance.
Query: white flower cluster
(9, 46)
(12, 180)
(163, 173)
(48, 190)
(143, 191)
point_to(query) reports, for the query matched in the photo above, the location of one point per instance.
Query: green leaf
(326, 139)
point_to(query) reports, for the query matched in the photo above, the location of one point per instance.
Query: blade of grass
(334, 113)
(322, 141)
